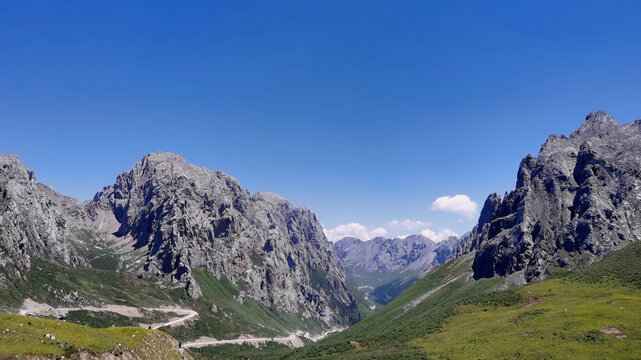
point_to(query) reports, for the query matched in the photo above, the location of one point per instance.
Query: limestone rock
(579, 200)
(35, 220)
(180, 217)
(165, 218)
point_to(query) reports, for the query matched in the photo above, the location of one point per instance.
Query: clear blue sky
(364, 112)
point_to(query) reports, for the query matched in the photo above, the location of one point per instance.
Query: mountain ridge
(574, 203)
(166, 217)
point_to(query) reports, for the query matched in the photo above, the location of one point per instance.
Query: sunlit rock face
(35, 221)
(166, 218)
(577, 201)
(178, 217)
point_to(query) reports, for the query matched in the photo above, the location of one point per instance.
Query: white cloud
(379, 231)
(440, 236)
(364, 233)
(407, 224)
(355, 230)
(458, 204)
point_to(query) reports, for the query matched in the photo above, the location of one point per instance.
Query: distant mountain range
(381, 268)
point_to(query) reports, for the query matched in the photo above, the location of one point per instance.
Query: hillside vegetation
(23, 335)
(380, 287)
(588, 314)
(59, 285)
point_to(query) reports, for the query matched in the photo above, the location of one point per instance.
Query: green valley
(578, 315)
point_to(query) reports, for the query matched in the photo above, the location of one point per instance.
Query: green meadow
(558, 318)
(565, 321)
(25, 335)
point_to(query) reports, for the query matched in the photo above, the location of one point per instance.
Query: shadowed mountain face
(165, 218)
(381, 268)
(579, 200)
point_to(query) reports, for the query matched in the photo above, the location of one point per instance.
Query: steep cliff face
(579, 200)
(35, 220)
(175, 217)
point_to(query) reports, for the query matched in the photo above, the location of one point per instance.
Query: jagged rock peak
(579, 200)
(163, 156)
(13, 169)
(164, 219)
(489, 208)
(9, 159)
(271, 198)
(35, 220)
(596, 121)
(181, 217)
(160, 164)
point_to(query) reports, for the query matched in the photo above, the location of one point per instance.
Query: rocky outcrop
(175, 217)
(35, 220)
(579, 200)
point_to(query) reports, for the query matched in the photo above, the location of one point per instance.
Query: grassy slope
(104, 284)
(386, 333)
(93, 284)
(619, 268)
(468, 320)
(564, 324)
(270, 350)
(23, 335)
(232, 319)
(461, 319)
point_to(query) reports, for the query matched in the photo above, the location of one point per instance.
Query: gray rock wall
(579, 200)
(34, 220)
(165, 218)
(180, 217)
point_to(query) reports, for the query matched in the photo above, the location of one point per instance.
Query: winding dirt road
(292, 341)
(30, 307)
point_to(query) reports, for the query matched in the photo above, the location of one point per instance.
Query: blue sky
(365, 112)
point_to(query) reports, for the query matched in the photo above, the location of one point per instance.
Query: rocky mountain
(175, 217)
(165, 219)
(382, 268)
(35, 220)
(577, 201)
